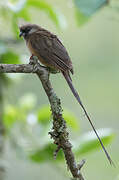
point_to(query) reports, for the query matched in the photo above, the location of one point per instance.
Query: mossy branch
(59, 131)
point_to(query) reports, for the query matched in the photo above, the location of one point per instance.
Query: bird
(52, 53)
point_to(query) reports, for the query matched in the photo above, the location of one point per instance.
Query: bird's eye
(28, 29)
(22, 30)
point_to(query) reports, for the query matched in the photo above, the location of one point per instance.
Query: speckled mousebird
(52, 53)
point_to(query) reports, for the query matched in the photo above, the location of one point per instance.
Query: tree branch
(59, 131)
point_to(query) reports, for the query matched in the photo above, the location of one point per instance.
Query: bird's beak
(21, 34)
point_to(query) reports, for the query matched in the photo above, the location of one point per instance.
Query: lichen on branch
(59, 131)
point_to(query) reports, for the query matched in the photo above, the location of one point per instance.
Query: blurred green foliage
(44, 148)
(85, 144)
(88, 142)
(89, 7)
(86, 8)
(14, 10)
(46, 154)
(44, 114)
(36, 123)
(20, 9)
(7, 56)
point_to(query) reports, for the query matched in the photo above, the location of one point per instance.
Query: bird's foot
(35, 68)
(33, 60)
(35, 63)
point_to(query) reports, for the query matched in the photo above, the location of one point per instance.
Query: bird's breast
(33, 52)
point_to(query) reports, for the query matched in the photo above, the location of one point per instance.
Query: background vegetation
(89, 30)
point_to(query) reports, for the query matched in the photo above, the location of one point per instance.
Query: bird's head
(28, 29)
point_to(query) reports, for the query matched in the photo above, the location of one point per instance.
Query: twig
(59, 131)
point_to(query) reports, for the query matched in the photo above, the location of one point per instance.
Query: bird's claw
(33, 60)
(35, 68)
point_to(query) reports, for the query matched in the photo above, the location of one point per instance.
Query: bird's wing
(51, 50)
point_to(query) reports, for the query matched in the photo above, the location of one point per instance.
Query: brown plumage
(51, 52)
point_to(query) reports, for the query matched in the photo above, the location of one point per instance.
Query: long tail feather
(75, 93)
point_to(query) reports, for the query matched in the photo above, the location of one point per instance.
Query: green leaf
(24, 14)
(71, 119)
(46, 154)
(9, 57)
(89, 142)
(53, 13)
(44, 116)
(10, 116)
(89, 7)
(81, 18)
(84, 9)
